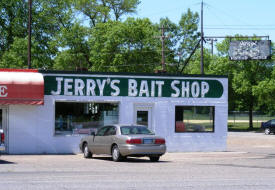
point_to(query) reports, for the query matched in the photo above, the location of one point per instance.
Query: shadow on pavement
(242, 166)
(129, 160)
(6, 162)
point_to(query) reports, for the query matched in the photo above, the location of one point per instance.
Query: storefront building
(48, 112)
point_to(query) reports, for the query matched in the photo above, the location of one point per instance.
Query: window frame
(108, 130)
(213, 126)
(75, 101)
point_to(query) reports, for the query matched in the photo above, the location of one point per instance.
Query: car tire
(154, 158)
(267, 131)
(86, 151)
(116, 156)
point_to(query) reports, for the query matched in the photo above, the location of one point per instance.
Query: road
(248, 164)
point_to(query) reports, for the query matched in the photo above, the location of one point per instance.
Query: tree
(17, 55)
(180, 40)
(265, 91)
(189, 34)
(72, 40)
(101, 11)
(188, 37)
(48, 18)
(12, 22)
(124, 46)
(244, 78)
(171, 36)
(122, 7)
(75, 53)
(194, 65)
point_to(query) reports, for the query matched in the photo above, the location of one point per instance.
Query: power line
(232, 17)
(230, 28)
(228, 14)
(240, 25)
(129, 65)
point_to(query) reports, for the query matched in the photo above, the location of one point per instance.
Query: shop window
(194, 119)
(83, 118)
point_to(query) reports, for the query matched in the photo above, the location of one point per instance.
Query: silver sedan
(121, 141)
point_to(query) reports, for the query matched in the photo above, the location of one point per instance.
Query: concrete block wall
(31, 128)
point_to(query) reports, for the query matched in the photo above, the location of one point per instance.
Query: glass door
(143, 116)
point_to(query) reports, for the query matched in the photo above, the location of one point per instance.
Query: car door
(273, 123)
(97, 146)
(109, 139)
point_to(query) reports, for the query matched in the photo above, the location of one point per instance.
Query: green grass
(243, 126)
(255, 117)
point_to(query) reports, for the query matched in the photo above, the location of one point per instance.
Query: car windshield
(133, 130)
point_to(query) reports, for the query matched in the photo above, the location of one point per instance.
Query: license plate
(148, 141)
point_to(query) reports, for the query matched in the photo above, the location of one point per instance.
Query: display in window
(194, 119)
(83, 118)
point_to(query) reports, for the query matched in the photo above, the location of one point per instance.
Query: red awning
(21, 87)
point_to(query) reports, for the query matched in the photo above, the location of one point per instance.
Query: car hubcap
(86, 151)
(115, 153)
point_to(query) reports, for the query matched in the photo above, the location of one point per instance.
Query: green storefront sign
(132, 86)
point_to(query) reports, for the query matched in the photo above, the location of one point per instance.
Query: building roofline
(128, 73)
(18, 70)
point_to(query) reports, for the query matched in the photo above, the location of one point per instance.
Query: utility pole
(162, 37)
(29, 34)
(211, 40)
(202, 66)
(162, 48)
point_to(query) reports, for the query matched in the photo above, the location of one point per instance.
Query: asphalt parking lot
(248, 163)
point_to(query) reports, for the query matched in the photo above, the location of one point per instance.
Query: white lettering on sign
(90, 88)
(58, 91)
(204, 88)
(144, 88)
(159, 84)
(175, 88)
(114, 87)
(153, 88)
(78, 87)
(185, 89)
(135, 88)
(68, 86)
(195, 89)
(101, 86)
(3, 91)
(132, 87)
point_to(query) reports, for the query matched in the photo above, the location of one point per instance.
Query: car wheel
(154, 158)
(86, 152)
(267, 131)
(116, 154)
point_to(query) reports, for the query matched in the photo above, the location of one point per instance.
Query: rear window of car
(133, 130)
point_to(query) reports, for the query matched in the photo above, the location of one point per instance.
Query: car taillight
(160, 141)
(2, 138)
(134, 141)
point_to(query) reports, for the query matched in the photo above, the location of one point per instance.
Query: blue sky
(221, 17)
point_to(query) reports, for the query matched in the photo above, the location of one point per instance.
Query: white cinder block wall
(31, 128)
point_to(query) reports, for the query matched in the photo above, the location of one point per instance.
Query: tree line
(103, 35)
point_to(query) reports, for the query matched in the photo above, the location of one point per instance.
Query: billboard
(250, 50)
